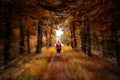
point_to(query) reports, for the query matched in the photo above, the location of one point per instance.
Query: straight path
(70, 65)
(57, 69)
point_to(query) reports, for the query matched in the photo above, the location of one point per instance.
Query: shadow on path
(57, 69)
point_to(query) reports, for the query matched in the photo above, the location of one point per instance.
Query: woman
(58, 47)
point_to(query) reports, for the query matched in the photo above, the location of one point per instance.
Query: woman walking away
(58, 47)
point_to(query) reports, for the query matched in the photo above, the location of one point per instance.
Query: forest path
(70, 65)
(58, 69)
(74, 65)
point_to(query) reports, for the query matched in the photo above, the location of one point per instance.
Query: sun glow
(59, 32)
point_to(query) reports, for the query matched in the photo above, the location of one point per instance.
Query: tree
(28, 41)
(8, 32)
(74, 35)
(21, 38)
(39, 38)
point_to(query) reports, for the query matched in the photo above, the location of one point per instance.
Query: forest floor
(69, 65)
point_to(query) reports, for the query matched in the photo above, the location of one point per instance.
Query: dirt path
(70, 65)
(76, 66)
(57, 69)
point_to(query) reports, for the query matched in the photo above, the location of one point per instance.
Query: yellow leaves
(49, 50)
(37, 67)
(52, 50)
(67, 48)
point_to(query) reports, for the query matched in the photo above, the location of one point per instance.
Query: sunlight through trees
(91, 27)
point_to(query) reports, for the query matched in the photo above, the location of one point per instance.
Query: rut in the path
(57, 69)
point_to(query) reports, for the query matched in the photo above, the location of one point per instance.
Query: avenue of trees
(89, 25)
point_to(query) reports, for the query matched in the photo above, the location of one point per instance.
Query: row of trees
(97, 27)
(28, 25)
(94, 27)
(23, 26)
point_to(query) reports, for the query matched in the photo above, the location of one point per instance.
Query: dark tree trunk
(21, 38)
(103, 43)
(89, 39)
(74, 35)
(96, 41)
(117, 50)
(8, 33)
(46, 34)
(71, 36)
(28, 41)
(7, 43)
(39, 39)
(115, 28)
(84, 38)
(50, 41)
(83, 41)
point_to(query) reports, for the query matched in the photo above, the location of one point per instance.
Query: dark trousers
(58, 50)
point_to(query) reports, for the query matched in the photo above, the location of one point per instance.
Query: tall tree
(28, 41)
(88, 36)
(7, 9)
(46, 35)
(21, 38)
(51, 29)
(74, 35)
(39, 38)
(71, 31)
(84, 37)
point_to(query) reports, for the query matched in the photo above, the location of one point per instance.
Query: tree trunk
(7, 34)
(46, 34)
(115, 29)
(50, 41)
(71, 36)
(117, 49)
(84, 38)
(7, 43)
(28, 41)
(74, 35)
(88, 36)
(103, 44)
(83, 41)
(39, 39)
(22, 38)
